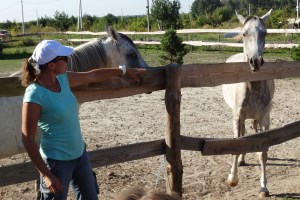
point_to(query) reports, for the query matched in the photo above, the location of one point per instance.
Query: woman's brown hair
(28, 74)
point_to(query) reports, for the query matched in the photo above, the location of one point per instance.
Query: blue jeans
(77, 173)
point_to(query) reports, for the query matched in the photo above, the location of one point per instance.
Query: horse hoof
(232, 181)
(263, 195)
(242, 163)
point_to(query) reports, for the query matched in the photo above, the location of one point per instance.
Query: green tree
(220, 15)
(88, 21)
(61, 21)
(138, 24)
(201, 7)
(295, 53)
(111, 19)
(166, 13)
(173, 47)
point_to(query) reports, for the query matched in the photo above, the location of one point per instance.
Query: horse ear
(240, 17)
(112, 33)
(266, 16)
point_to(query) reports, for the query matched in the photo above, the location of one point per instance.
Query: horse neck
(257, 86)
(88, 56)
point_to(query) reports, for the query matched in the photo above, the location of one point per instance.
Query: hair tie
(37, 70)
(31, 60)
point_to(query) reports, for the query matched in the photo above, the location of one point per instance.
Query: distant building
(294, 23)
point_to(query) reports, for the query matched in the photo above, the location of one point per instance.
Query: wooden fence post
(173, 142)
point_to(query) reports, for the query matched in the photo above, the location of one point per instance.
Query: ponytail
(28, 73)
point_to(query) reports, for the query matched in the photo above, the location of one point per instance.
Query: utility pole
(122, 15)
(148, 17)
(23, 26)
(249, 10)
(79, 20)
(297, 9)
(37, 19)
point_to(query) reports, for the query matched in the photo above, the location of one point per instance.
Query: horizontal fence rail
(200, 43)
(186, 31)
(18, 173)
(192, 75)
(181, 31)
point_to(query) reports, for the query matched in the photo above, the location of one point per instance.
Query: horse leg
(238, 127)
(241, 161)
(263, 157)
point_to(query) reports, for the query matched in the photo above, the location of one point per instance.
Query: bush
(1, 47)
(28, 42)
(295, 53)
(173, 47)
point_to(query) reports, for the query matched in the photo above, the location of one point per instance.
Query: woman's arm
(30, 115)
(99, 75)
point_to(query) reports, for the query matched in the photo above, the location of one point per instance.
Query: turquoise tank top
(61, 137)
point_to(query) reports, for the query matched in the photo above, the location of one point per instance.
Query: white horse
(113, 51)
(250, 100)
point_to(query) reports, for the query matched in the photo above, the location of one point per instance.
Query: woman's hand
(52, 183)
(133, 72)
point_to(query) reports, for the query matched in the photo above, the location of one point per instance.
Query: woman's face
(60, 64)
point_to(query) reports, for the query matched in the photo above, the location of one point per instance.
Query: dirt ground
(115, 122)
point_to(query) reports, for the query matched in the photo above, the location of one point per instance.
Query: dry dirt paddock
(115, 122)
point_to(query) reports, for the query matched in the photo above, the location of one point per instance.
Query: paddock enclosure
(133, 153)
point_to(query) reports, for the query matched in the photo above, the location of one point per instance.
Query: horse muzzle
(256, 63)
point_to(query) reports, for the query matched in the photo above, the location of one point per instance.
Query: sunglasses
(64, 58)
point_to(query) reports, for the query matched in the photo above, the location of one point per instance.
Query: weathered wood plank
(152, 80)
(209, 75)
(251, 143)
(11, 86)
(114, 155)
(173, 141)
(234, 146)
(194, 75)
(23, 172)
(18, 173)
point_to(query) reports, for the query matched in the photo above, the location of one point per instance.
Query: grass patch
(9, 66)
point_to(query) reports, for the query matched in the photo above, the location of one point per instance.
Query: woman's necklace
(53, 89)
(40, 82)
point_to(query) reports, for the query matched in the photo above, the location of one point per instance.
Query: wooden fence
(182, 31)
(172, 79)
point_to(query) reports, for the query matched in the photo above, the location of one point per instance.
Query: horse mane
(88, 56)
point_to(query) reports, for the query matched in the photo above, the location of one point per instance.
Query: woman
(61, 158)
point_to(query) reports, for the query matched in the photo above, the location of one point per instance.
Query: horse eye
(244, 34)
(133, 55)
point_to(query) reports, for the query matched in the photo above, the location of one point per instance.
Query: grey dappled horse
(250, 100)
(117, 49)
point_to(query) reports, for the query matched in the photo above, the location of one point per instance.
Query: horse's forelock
(254, 17)
(125, 37)
(248, 19)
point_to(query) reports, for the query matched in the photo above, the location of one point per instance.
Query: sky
(12, 9)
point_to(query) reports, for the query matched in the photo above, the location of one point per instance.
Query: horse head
(122, 50)
(254, 32)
